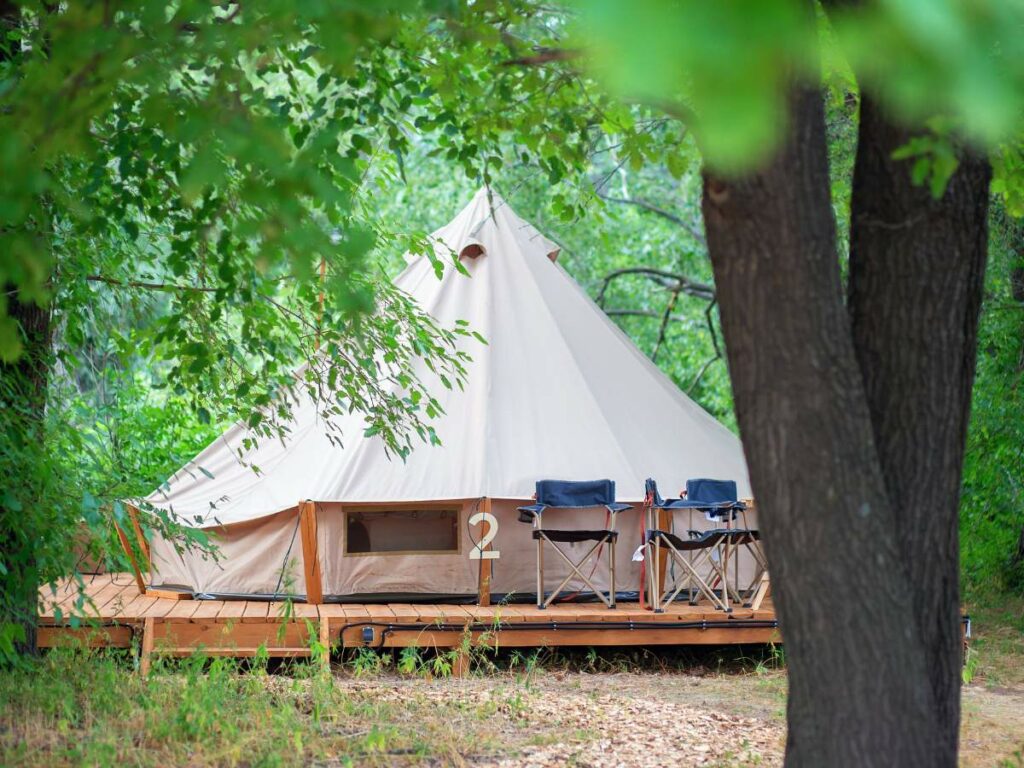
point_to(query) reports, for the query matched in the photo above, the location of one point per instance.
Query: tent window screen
(393, 531)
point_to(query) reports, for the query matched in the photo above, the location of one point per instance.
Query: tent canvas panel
(407, 571)
(258, 557)
(264, 557)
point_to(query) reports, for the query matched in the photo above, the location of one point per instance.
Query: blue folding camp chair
(566, 494)
(709, 553)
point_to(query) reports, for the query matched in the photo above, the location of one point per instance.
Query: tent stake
(310, 559)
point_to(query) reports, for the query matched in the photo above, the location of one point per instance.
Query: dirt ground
(607, 719)
(627, 709)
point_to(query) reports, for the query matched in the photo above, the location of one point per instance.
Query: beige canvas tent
(558, 391)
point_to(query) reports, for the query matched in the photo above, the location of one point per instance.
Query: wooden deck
(118, 614)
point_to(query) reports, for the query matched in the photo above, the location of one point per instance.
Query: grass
(998, 644)
(93, 708)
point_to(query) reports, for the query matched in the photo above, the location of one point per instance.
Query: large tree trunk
(23, 387)
(916, 274)
(859, 692)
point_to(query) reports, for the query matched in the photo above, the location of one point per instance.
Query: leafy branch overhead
(218, 156)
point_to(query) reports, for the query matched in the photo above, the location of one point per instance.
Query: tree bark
(917, 268)
(23, 387)
(858, 687)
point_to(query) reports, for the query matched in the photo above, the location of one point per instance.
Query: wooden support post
(147, 645)
(126, 545)
(484, 588)
(133, 513)
(460, 663)
(310, 558)
(325, 641)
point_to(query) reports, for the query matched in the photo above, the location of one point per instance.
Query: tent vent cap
(472, 250)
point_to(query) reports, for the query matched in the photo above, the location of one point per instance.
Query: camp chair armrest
(618, 506)
(531, 513)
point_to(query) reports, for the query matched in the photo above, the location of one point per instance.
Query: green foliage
(934, 156)
(722, 65)
(942, 57)
(725, 66)
(993, 490)
(1008, 176)
(113, 438)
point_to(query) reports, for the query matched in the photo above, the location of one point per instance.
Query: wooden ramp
(117, 614)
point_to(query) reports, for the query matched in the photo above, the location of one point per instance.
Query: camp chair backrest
(576, 494)
(711, 491)
(651, 493)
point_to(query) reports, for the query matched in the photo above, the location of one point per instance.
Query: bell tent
(557, 391)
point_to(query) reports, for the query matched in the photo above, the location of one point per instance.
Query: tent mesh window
(401, 531)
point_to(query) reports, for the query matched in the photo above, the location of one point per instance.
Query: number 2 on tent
(480, 551)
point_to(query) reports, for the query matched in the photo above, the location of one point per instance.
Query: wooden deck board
(100, 598)
(332, 611)
(207, 609)
(131, 605)
(256, 611)
(65, 597)
(238, 626)
(231, 609)
(183, 610)
(305, 611)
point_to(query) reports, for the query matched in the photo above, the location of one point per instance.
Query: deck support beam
(148, 640)
(310, 557)
(325, 641)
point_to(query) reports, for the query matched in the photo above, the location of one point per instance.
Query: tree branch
(640, 313)
(671, 280)
(664, 323)
(695, 233)
(542, 55)
(701, 372)
(148, 286)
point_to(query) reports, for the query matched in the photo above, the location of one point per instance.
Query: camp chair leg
(764, 585)
(696, 562)
(574, 570)
(759, 585)
(540, 574)
(611, 569)
(736, 576)
(724, 573)
(693, 578)
(656, 576)
(762, 591)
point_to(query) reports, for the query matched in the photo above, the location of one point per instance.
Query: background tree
(174, 178)
(854, 426)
